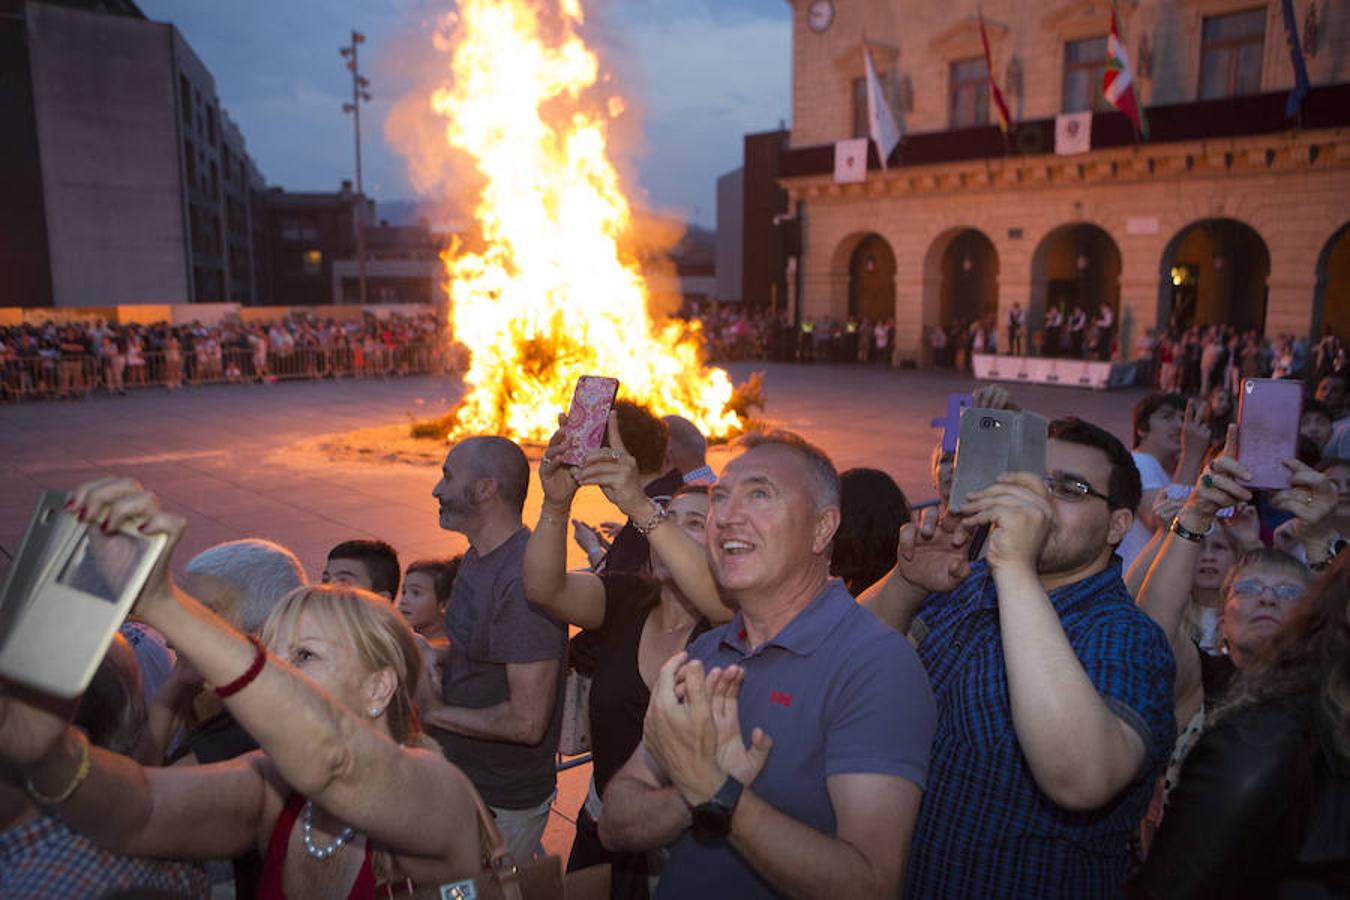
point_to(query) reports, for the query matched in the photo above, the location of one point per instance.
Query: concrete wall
(914, 43)
(104, 93)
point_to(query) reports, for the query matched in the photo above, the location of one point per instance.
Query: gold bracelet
(81, 773)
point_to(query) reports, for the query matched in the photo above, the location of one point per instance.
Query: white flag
(1073, 133)
(880, 121)
(850, 160)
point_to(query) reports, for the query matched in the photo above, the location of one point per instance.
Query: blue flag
(1301, 85)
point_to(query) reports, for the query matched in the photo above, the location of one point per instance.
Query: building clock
(820, 15)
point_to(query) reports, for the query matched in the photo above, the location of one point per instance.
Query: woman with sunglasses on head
(1256, 596)
(1263, 803)
(345, 794)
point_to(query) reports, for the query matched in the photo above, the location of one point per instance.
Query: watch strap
(1186, 534)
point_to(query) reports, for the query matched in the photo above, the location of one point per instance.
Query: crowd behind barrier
(734, 334)
(1191, 360)
(54, 361)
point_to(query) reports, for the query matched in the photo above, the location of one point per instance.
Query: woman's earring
(375, 712)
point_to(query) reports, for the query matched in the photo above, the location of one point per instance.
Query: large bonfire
(553, 290)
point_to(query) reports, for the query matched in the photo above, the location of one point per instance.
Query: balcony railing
(1324, 107)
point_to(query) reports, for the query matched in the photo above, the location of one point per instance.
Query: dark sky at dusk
(700, 73)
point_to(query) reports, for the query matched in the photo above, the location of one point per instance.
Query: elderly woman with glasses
(1256, 596)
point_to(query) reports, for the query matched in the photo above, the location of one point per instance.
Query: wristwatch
(712, 820)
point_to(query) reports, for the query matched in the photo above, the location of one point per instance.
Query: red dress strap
(270, 880)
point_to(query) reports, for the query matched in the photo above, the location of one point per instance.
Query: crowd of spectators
(732, 333)
(793, 685)
(67, 361)
(1199, 360)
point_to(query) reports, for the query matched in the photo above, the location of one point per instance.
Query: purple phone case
(588, 417)
(951, 423)
(1269, 411)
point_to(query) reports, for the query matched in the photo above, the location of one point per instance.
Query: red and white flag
(1118, 82)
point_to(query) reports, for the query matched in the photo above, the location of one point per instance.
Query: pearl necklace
(322, 853)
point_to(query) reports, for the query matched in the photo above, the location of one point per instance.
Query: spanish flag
(1004, 117)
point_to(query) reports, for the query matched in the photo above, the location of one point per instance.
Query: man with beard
(1054, 691)
(498, 715)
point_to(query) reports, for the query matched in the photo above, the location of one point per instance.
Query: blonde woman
(342, 798)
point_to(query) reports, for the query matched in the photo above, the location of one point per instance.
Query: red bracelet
(243, 681)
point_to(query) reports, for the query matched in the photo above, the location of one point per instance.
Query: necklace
(322, 853)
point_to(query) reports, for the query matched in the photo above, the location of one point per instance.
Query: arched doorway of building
(1075, 271)
(1333, 286)
(969, 290)
(871, 280)
(1214, 272)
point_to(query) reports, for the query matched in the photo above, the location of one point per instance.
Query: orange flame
(553, 294)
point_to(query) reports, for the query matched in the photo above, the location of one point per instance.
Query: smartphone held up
(1269, 411)
(991, 442)
(67, 592)
(588, 417)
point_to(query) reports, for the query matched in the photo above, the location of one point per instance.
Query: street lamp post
(359, 95)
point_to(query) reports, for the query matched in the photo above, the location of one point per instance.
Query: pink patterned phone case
(588, 417)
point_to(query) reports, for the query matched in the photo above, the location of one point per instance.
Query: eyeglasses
(1071, 488)
(1250, 587)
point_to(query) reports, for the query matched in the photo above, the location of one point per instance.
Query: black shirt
(630, 550)
(618, 694)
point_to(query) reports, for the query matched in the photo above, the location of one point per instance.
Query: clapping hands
(693, 729)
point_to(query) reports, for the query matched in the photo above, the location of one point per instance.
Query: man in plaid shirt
(1054, 691)
(41, 858)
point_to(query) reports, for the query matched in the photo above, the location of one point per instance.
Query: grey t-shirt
(490, 625)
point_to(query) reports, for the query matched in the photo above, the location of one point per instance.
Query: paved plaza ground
(226, 458)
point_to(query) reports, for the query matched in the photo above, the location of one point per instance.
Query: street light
(359, 95)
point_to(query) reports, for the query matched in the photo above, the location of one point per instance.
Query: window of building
(860, 126)
(313, 262)
(211, 125)
(1084, 68)
(215, 180)
(299, 229)
(970, 93)
(190, 160)
(185, 98)
(1230, 54)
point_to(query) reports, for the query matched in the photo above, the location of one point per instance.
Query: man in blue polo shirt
(824, 800)
(1054, 691)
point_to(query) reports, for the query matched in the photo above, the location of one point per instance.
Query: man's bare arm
(866, 858)
(522, 719)
(643, 810)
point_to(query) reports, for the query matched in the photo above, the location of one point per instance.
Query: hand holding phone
(67, 592)
(587, 417)
(992, 442)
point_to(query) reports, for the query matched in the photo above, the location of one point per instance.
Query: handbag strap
(501, 865)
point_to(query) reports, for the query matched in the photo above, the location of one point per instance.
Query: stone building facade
(1229, 213)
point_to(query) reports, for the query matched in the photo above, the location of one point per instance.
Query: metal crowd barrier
(46, 377)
